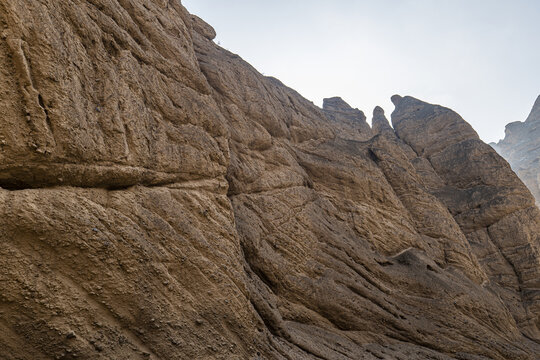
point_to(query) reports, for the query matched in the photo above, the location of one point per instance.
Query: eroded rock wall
(162, 199)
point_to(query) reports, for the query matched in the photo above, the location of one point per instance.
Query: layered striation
(161, 199)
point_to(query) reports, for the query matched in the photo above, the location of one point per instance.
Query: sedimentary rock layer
(161, 199)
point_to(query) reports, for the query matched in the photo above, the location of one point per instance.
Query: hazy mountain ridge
(162, 199)
(521, 147)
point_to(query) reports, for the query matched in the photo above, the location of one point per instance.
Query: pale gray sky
(478, 57)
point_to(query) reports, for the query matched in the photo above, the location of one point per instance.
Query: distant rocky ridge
(521, 147)
(161, 199)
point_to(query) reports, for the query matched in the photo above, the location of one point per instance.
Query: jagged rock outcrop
(346, 122)
(379, 122)
(521, 147)
(161, 199)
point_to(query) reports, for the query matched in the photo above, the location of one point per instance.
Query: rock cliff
(161, 199)
(521, 147)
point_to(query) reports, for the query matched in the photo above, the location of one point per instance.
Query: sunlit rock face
(521, 147)
(161, 199)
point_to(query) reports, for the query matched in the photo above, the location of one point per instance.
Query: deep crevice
(373, 156)
(46, 111)
(15, 185)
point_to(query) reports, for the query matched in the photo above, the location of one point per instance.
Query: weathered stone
(379, 122)
(162, 199)
(521, 147)
(483, 194)
(348, 123)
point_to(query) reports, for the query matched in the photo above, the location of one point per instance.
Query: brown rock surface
(346, 122)
(161, 199)
(521, 147)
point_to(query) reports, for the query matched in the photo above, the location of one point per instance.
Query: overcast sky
(478, 57)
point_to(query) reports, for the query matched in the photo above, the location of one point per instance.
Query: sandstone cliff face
(161, 199)
(521, 148)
